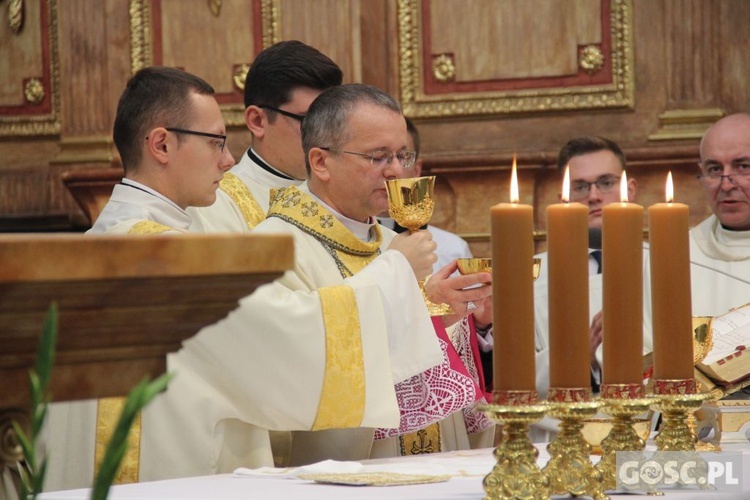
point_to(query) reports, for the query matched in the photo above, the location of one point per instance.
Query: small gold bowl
(596, 429)
(479, 265)
(474, 265)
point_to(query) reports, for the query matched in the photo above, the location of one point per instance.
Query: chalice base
(569, 469)
(516, 473)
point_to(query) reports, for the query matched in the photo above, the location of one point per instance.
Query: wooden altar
(124, 303)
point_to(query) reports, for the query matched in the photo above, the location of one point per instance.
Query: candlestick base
(569, 469)
(676, 399)
(622, 437)
(516, 473)
(675, 433)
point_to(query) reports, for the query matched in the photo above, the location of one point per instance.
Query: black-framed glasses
(714, 175)
(221, 137)
(383, 158)
(284, 112)
(605, 184)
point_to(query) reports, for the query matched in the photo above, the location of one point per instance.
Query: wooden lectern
(124, 303)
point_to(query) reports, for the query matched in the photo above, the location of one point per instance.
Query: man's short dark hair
(285, 66)
(588, 144)
(154, 96)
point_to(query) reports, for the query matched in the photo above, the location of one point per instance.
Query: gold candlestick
(569, 469)
(410, 203)
(516, 473)
(676, 399)
(622, 402)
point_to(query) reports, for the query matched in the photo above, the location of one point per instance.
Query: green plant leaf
(139, 397)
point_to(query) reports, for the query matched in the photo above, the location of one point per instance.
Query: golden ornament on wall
(240, 75)
(591, 59)
(215, 6)
(15, 15)
(443, 67)
(34, 91)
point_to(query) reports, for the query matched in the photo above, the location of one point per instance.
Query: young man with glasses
(282, 82)
(171, 138)
(595, 165)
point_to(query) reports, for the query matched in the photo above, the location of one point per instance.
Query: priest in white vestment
(720, 245)
(282, 82)
(179, 164)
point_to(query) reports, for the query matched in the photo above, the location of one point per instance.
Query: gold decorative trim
(34, 91)
(240, 76)
(140, 35)
(141, 50)
(215, 6)
(618, 94)
(47, 124)
(678, 124)
(16, 16)
(270, 13)
(444, 68)
(591, 59)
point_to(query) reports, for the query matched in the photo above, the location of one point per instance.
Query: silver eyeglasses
(605, 184)
(713, 174)
(381, 159)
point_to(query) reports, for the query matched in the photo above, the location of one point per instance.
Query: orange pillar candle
(512, 240)
(567, 250)
(622, 273)
(670, 288)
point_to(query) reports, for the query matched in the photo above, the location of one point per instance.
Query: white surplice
(132, 203)
(719, 270)
(232, 211)
(70, 432)
(264, 366)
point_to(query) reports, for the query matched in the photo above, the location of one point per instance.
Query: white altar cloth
(467, 468)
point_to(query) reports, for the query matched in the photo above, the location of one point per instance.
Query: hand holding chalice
(410, 203)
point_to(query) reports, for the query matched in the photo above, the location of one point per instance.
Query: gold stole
(342, 401)
(243, 198)
(109, 409)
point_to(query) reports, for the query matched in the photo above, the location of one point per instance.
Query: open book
(728, 360)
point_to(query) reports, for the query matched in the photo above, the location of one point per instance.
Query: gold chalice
(484, 265)
(410, 203)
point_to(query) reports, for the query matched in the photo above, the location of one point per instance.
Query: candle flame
(670, 188)
(624, 187)
(514, 197)
(566, 185)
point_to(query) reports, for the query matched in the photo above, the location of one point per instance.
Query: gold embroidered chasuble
(238, 192)
(343, 386)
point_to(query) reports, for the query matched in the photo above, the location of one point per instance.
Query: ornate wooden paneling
(486, 57)
(233, 32)
(29, 69)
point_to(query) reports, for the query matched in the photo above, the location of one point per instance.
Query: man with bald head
(720, 245)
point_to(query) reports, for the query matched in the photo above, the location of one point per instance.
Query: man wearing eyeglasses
(720, 245)
(335, 344)
(596, 165)
(171, 138)
(282, 82)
